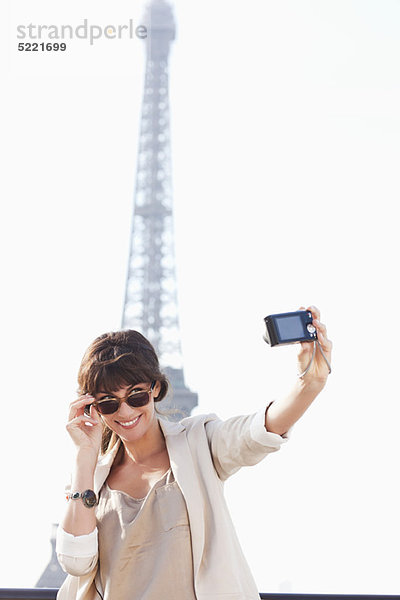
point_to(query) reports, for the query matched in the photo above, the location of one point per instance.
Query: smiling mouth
(131, 423)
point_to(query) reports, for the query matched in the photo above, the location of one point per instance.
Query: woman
(146, 516)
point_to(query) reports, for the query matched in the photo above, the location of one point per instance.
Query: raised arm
(76, 545)
(79, 519)
(284, 413)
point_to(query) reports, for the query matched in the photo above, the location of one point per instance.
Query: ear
(156, 391)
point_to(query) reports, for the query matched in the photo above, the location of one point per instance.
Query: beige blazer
(204, 451)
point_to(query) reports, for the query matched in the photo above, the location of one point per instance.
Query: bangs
(110, 375)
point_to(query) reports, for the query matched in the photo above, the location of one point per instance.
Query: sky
(285, 127)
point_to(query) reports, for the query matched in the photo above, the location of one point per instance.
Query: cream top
(204, 451)
(145, 549)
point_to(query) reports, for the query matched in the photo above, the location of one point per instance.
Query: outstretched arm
(283, 414)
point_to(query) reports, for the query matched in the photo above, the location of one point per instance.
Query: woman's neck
(145, 449)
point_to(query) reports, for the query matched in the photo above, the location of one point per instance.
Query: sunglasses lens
(138, 399)
(107, 407)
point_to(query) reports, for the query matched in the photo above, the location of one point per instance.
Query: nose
(124, 410)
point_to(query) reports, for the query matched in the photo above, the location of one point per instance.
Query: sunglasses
(110, 405)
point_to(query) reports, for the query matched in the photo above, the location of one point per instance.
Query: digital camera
(289, 328)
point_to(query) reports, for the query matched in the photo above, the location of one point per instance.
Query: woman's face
(131, 423)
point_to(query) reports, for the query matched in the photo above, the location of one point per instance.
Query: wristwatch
(89, 498)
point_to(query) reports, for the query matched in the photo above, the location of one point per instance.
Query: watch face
(89, 498)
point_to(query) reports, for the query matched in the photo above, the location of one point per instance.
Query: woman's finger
(316, 313)
(81, 420)
(78, 406)
(81, 399)
(322, 335)
(320, 327)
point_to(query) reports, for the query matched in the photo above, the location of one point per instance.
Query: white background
(285, 141)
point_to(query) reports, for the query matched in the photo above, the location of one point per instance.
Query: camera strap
(300, 375)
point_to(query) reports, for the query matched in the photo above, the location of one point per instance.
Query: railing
(28, 594)
(51, 593)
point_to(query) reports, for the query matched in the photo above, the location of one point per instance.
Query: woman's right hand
(87, 438)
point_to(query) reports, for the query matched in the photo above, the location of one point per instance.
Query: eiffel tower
(53, 575)
(151, 292)
(151, 304)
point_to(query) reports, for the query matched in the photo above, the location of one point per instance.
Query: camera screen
(289, 328)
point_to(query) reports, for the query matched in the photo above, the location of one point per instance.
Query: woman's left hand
(319, 370)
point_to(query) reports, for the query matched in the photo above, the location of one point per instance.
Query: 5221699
(42, 47)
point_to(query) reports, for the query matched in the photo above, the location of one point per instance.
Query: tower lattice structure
(151, 292)
(151, 304)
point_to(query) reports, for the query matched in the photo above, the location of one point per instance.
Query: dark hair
(115, 360)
